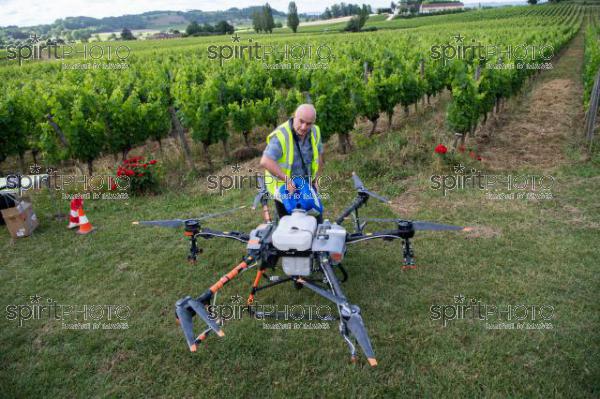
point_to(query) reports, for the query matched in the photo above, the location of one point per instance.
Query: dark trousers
(281, 211)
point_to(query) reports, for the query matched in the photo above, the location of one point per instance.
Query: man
(294, 149)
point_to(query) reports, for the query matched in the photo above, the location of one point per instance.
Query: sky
(34, 12)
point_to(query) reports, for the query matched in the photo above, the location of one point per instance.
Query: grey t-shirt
(274, 151)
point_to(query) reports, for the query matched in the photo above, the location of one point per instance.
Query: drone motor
(406, 229)
(192, 227)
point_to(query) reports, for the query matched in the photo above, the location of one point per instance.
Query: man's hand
(289, 183)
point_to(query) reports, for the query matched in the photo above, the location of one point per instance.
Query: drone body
(309, 252)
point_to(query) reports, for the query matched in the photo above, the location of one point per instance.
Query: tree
(258, 21)
(203, 112)
(367, 103)
(193, 28)
(125, 125)
(127, 35)
(12, 127)
(266, 112)
(78, 112)
(331, 91)
(336, 11)
(207, 28)
(358, 21)
(292, 19)
(292, 101)
(242, 118)
(82, 34)
(269, 24)
(224, 28)
(532, 2)
(463, 111)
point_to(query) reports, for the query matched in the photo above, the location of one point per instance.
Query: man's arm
(275, 170)
(268, 161)
(272, 167)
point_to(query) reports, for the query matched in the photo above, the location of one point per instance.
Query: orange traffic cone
(85, 226)
(76, 203)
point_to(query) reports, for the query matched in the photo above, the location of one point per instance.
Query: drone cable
(372, 237)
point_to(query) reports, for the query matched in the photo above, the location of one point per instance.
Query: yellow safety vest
(283, 133)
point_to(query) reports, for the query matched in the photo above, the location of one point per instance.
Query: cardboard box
(20, 220)
(7, 200)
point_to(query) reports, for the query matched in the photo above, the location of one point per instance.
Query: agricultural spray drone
(310, 254)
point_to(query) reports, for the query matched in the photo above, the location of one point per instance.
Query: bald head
(304, 118)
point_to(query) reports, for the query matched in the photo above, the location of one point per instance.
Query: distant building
(428, 8)
(163, 35)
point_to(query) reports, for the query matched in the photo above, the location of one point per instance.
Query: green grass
(524, 252)
(542, 253)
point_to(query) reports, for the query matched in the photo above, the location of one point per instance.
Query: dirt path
(534, 129)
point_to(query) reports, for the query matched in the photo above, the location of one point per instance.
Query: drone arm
(234, 235)
(358, 202)
(248, 263)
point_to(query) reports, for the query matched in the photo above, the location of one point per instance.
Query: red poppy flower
(140, 174)
(129, 172)
(479, 158)
(113, 187)
(472, 154)
(120, 172)
(441, 149)
(461, 148)
(152, 162)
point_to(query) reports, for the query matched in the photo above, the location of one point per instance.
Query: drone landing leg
(351, 322)
(409, 260)
(187, 307)
(259, 274)
(194, 250)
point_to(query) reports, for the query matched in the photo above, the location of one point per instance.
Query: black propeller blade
(174, 223)
(436, 226)
(359, 185)
(262, 192)
(419, 225)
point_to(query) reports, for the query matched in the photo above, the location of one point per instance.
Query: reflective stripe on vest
(285, 162)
